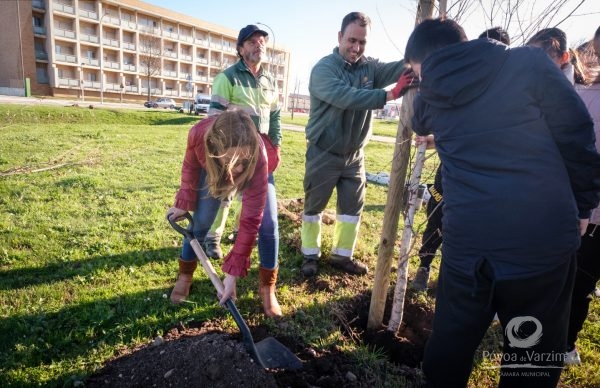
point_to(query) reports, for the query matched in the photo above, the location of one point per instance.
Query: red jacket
(237, 261)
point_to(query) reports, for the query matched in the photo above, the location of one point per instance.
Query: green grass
(87, 259)
(380, 127)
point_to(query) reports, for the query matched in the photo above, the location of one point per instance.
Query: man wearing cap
(345, 86)
(247, 86)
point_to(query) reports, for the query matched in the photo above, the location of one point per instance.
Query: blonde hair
(231, 129)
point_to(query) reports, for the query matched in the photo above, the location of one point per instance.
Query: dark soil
(208, 356)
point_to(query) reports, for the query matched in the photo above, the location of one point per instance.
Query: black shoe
(421, 279)
(348, 265)
(213, 250)
(310, 266)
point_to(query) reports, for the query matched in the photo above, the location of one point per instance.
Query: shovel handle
(186, 232)
(216, 281)
(206, 264)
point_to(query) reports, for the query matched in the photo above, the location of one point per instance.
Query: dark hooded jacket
(519, 162)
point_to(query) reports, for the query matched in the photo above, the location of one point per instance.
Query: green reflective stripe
(345, 234)
(311, 235)
(218, 225)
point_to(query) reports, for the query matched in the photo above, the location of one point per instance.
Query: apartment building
(116, 50)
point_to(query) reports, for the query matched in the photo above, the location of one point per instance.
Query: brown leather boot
(184, 281)
(266, 290)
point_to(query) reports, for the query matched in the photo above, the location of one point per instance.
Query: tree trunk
(393, 206)
(391, 214)
(405, 243)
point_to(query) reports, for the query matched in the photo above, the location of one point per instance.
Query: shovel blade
(275, 355)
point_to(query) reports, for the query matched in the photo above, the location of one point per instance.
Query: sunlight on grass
(87, 260)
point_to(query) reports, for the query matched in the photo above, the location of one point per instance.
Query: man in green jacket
(247, 85)
(344, 87)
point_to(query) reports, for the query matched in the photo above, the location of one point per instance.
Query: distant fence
(12, 87)
(18, 92)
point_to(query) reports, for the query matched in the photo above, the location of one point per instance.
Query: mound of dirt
(208, 356)
(191, 358)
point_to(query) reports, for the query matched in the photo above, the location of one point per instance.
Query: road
(126, 105)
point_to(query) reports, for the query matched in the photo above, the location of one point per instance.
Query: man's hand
(407, 80)
(428, 140)
(583, 224)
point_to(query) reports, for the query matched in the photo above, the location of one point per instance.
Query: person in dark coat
(521, 175)
(432, 236)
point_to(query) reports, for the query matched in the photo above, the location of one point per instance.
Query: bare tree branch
(150, 58)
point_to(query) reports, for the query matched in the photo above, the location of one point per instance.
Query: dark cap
(247, 31)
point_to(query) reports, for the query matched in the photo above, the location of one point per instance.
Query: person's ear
(564, 58)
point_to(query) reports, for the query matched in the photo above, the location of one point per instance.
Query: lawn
(87, 259)
(381, 127)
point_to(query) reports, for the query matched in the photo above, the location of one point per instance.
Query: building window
(41, 74)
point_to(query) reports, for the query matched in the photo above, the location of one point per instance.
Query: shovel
(268, 353)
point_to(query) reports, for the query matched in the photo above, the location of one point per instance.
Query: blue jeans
(268, 233)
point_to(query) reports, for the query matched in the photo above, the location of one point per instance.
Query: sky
(309, 28)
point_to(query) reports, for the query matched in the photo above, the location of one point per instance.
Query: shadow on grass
(83, 330)
(12, 279)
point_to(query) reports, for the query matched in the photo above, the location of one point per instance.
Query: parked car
(162, 102)
(201, 103)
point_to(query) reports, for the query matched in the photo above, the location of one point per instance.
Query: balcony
(130, 89)
(65, 33)
(129, 67)
(68, 82)
(129, 24)
(88, 38)
(39, 30)
(129, 46)
(41, 55)
(88, 14)
(66, 58)
(153, 91)
(112, 20)
(171, 34)
(113, 87)
(91, 85)
(91, 61)
(112, 65)
(38, 4)
(110, 42)
(66, 8)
